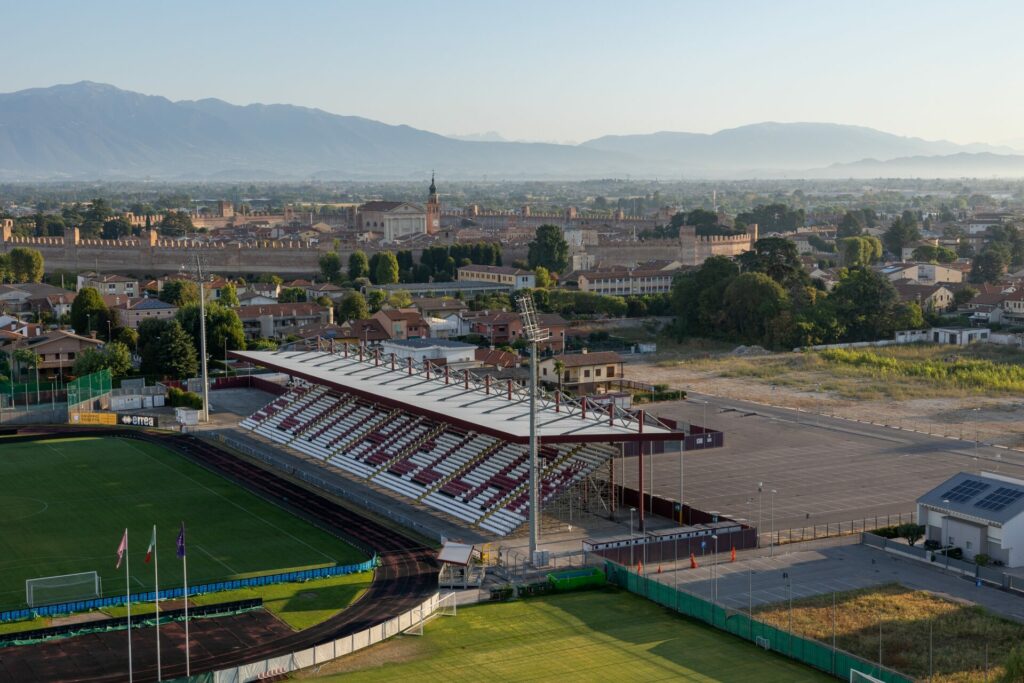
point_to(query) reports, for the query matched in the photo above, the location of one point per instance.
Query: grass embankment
(593, 635)
(959, 633)
(895, 372)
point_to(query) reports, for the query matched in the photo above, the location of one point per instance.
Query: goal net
(51, 590)
(861, 677)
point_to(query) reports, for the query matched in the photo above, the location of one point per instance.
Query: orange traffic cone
(659, 568)
(732, 555)
(639, 567)
(693, 561)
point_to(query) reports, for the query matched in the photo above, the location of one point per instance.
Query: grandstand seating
(476, 478)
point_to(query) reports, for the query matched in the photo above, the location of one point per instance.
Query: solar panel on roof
(999, 499)
(964, 491)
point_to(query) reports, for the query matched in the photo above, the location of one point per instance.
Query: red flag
(152, 546)
(693, 561)
(121, 549)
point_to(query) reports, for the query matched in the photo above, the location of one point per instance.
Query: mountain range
(95, 131)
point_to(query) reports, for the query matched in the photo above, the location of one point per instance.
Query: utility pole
(205, 378)
(533, 334)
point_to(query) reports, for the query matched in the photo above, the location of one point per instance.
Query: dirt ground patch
(805, 382)
(395, 651)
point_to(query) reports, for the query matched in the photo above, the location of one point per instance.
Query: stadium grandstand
(449, 439)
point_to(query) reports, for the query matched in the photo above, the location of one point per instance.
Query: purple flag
(181, 541)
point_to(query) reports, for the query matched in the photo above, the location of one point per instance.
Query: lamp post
(714, 537)
(760, 508)
(631, 511)
(944, 545)
(771, 537)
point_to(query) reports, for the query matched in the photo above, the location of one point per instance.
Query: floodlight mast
(533, 334)
(202, 341)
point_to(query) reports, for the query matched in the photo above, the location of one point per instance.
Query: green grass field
(603, 635)
(65, 503)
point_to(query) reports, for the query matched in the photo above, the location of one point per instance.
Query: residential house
(583, 373)
(279, 321)
(935, 298)
(370, 332)
(403, 323)
(626, 281)
(496, 358)
(438, 307)
(109, 284)
(498, 328)
(132, 312)
(58, 350)
(557, 328)
(254, 298)
(514, 277)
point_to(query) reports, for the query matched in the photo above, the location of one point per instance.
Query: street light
(771, 537)
(714, 563)
(631, 511)
(760, 490)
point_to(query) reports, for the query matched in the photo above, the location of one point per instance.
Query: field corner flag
(732, 554)
(152, 546)
(121, 548)
(693, 561)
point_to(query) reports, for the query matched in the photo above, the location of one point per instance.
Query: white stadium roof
(459, 397)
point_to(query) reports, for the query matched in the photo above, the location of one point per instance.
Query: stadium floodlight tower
(202, 340)
(532, 334)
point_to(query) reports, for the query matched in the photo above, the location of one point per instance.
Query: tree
(752, 302)
(851, 224)
(116, 228)
(223, 328)
(860, 251)
(229, 295)
(988, 266)
(148, 344)
(399, 299)
(376, 299)
(543, 277)
(773, 218)
(180, 293)
(777, 258)
(292, 295)
(177, 352)
(910, 531)
(176, 224)
(964, 295)
(90, 314)
(330, 266)
(901, 233)
(352, 307)
(128, 337)
(25, 265)
(864, 303)
(933, 254)
(358, 265)
(548, 249)
(694, 295)
(114, 356)
(27, 359)
(386, 272)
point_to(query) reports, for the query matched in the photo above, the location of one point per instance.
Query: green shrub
(887, 532)
(982, 560)
(177, 398)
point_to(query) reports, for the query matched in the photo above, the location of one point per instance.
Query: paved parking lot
(824, 470)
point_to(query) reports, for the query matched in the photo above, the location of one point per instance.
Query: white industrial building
(978, 513)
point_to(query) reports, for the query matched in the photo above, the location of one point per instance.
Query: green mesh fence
(88, 387)
(804, 650)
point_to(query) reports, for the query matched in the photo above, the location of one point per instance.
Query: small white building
(978, 513)
(446, 351)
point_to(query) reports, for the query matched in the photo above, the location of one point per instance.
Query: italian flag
(152, 546)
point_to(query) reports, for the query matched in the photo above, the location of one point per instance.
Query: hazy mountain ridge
(91, 130)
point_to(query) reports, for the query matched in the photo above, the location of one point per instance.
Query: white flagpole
(128, 596)
(156, 580)
(184, 572)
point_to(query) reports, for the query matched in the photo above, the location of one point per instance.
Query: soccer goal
(861, 677)
(447, 606)
(51, 590)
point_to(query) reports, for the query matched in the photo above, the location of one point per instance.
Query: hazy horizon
(565, 72)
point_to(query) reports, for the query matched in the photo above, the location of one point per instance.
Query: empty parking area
(824, 470)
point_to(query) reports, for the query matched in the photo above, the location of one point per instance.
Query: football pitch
(601, 635)
(64, 504)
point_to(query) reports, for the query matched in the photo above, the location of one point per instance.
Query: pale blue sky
(550, 70)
